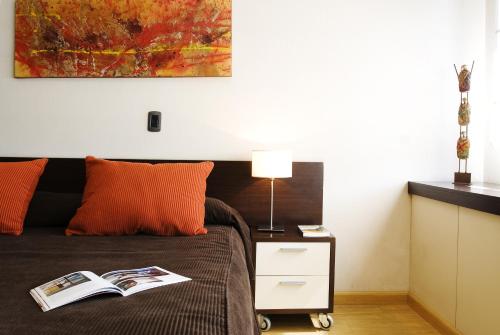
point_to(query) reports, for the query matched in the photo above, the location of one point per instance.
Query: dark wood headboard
(298, 200)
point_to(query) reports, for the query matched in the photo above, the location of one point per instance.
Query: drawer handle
(292, 283)
(293, 249)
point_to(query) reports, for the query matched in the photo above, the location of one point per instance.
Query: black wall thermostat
(154, 121)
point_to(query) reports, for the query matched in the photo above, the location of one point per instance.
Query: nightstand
(294, 275)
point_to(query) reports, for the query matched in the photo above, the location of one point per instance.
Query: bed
(217, 301)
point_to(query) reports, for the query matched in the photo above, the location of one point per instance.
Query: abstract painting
(123, 38)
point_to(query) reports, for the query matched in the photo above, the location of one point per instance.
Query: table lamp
(271, 164)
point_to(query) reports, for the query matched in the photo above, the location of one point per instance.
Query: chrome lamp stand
(279, 228)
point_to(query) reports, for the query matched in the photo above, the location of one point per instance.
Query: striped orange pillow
(18, 181)
(123, 198)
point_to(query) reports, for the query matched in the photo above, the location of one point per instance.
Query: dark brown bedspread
(217, 301)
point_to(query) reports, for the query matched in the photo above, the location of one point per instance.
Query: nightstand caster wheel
(264, 322)
(325, 321)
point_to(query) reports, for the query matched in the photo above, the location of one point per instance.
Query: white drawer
(291, 292)
(283, 258)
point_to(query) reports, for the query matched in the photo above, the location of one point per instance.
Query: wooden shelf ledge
(484, 197)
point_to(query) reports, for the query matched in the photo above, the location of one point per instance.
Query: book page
(70, 288)
(136, 280)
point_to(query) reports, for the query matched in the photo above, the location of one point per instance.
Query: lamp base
(276, 228)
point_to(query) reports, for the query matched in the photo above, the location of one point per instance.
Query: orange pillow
(123, 198)
(18, 181)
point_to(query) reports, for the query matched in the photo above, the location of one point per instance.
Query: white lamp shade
(272, 163)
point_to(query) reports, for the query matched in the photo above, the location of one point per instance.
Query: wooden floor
(359, 320)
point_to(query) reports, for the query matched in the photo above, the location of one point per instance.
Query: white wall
(479, 42)
(492, 161)
(365, 86)
(492, 146)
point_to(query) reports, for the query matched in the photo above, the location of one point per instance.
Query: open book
(83, 284)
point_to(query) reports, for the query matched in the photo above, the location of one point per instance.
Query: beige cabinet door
(478, 289)
(434, 235)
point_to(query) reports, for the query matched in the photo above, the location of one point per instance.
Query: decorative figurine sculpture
(464, 111)
(464, 78)
(463, 146)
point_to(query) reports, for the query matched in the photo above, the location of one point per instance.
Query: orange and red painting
(123, 38)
